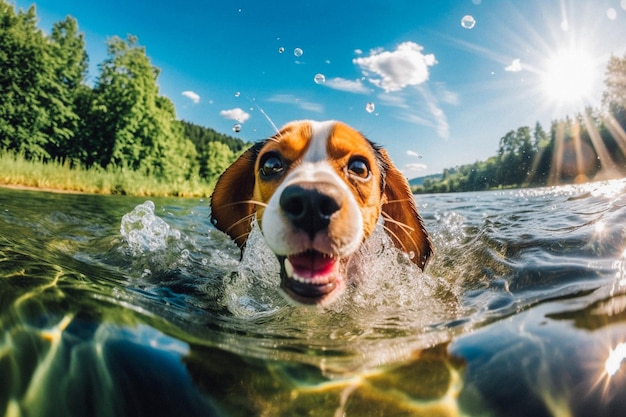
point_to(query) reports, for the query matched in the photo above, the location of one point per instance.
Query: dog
(317, 191)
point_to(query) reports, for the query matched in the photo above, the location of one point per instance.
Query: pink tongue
(311, 264)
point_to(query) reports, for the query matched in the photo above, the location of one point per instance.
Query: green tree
(614, 97)
(131, 125)
(215, 158)
(38, 79)
(23, 81)
(69, 69)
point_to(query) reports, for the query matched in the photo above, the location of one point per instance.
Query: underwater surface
(117, 306)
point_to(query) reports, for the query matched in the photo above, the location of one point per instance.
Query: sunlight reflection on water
(525, 298)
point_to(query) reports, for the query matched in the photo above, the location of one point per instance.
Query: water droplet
(237, 94)
(236, 128)
(468, 22)
(370, 107)
(281, 50)
(298, 52)
(319, 79)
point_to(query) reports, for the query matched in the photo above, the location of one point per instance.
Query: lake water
(111, 306)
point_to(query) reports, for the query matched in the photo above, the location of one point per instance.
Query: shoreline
(21, 187)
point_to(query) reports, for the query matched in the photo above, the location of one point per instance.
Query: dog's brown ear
(402, 221)
(231, 207)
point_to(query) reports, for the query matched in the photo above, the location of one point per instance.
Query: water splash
(144, 232)
(383, 282)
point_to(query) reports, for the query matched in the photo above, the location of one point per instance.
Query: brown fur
(238, 196)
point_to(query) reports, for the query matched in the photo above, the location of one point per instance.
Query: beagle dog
(317, 191)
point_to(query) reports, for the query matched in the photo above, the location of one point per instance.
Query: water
(111, 306)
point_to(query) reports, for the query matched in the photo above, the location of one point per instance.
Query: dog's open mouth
(311, 277)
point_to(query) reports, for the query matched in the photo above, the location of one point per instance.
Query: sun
(569, 76)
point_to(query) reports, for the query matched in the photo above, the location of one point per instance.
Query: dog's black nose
(310, 206)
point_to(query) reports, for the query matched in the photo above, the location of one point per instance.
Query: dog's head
(317, 190)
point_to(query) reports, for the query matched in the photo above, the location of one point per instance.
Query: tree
(38, 79)
(215, 159)
(614, 97)
(23, 61)
(69, 69)
(131, 125)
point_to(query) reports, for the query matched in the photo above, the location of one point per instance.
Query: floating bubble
(236, 128)
(319, 79)
(237, 93)
(370, 107)
(298, 52)
(468, 22)
(281, 50)
(611, 13)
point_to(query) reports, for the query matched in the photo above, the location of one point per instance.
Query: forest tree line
(589, 146)
(48, 112)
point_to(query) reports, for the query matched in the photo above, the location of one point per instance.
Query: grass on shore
(15, 170)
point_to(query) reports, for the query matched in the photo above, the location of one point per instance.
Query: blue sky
(443, 92)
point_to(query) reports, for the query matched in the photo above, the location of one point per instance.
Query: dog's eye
(271, 165)
(359, 168)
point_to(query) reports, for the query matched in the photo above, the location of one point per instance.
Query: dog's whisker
(403, 200)
(249, 217)
(404, 226)
(255, 202)
(243, 235)
(395, 236)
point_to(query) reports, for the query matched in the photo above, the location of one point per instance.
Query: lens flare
(569, 76)
(614, 361)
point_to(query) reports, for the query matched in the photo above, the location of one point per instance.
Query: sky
(437, 83)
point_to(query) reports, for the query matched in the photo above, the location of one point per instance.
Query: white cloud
(395, 70)
(193, 96)
(351, 86)
(413, 153)
(411, 170)
(393, 100)
(428, 112)
(446, 96)
(303, 104)
(235, 114)
(515, 66)
(358, 51)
